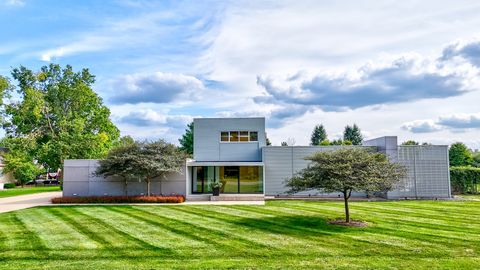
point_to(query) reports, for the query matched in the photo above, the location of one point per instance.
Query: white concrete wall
(79, 180)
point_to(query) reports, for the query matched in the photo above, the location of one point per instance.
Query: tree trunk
(347, 212)
(346, 196)
(126, 187)
(148, 186)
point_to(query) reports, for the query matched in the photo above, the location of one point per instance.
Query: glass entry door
(229, 177)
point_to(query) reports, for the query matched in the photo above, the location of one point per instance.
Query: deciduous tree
(57, 108)
(145, 160)
(460, 155)
(345, 171)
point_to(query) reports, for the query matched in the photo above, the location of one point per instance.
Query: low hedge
(464, 180)
(121, 199)
(9, 185)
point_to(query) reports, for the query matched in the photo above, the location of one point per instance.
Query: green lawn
(282, 234)
(26, 190)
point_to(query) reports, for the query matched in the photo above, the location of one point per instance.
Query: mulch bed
(352, 223)
(120, 199)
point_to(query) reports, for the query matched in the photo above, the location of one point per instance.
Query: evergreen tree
(186, 142)
(318, 135)
(353, 134)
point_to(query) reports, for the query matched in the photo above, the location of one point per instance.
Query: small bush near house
(121, 199)
(9, 185)
(465, 180)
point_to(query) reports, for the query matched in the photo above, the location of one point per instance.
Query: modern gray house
(233, 151)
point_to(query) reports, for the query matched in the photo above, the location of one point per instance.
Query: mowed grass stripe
(144, 231)
(129, 241)
(200, 229)
(84, 227)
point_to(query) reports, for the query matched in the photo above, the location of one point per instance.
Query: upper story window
(239, 136)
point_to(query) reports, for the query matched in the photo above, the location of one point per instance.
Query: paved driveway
(25, 201)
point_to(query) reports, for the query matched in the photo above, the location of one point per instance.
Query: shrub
(464, 179)
(121, 199)
(9, 185)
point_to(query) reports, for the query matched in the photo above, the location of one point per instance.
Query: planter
(216, 191)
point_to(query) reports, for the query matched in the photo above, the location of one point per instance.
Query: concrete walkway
(26, 201)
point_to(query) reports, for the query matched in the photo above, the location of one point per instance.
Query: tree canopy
(353, 134)
(318, 135)
(346, 170)
(186, 142)
(59, 113)
(410, 142)
(460, 155)
(146, 160)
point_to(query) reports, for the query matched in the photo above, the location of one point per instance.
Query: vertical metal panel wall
(79, 180)
(427, 172)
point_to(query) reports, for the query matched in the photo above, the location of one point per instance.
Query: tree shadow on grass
(294, 225)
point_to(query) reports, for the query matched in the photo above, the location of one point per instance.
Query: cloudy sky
(406, 68)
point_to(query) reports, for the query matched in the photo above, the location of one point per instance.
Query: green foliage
(410, 142)
(145, 160)
(353, 134)
(123, 141)
(284, 144)
(9, 185)
(476, 159)
(347, 170)
(318, 135)
(464, 180)
(460, 155)
(60, 113)
(325, 143)
(186, 142)
(21, 166)
(268, 142)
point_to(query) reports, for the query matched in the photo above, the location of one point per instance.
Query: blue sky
(406, 68)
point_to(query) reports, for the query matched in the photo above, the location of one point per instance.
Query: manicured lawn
(26, 190)
(282, 234)
(469, 196)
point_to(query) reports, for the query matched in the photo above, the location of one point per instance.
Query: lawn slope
(282, 234)
(27, 190)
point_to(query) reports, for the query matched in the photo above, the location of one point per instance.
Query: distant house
(233, 151)
(4, 177)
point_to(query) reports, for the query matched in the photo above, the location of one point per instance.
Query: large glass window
(235, 179)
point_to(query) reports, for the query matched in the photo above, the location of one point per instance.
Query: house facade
(233, 151)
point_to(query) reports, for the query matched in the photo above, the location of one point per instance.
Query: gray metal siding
(207, 145)
(427, 172)
(282, 162)
(79, 180)
(427, 169)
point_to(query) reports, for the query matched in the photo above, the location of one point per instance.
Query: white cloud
(421, 126)
(156, 87)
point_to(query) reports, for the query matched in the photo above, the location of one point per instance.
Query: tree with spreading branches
(347, 170)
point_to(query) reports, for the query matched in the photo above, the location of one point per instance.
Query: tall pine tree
(186, 142)
(353, 134)
(318, 135)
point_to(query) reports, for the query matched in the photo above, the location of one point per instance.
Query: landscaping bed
(120, 199)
